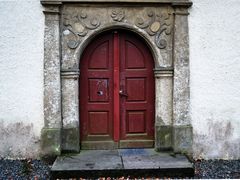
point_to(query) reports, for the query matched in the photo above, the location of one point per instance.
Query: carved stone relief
(156, 25)
(118, 14)
(79, 23)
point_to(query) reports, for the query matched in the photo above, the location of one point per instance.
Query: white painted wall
(214, 28)
(21, 77)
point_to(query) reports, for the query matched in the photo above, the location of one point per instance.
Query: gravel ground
(217, 169)
(36, 170)
(23, 169)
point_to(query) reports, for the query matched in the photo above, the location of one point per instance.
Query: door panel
(96, 84)
(100, 56)
(136, 122)
(133, 60)
(137, 83)
(98, 90)
(126, 56)
(98, 123)
(135, 88)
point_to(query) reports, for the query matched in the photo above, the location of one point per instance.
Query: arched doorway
(117, 92)
(68, 29)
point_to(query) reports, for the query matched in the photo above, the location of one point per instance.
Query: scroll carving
(118, 15)
(78, 25)
(156, 25)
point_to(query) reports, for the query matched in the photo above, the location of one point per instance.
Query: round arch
(127, 27)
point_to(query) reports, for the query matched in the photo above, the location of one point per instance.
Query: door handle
(122, 93)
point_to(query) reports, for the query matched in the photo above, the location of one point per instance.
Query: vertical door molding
(116, 86)
(51, 133)
(182, 129)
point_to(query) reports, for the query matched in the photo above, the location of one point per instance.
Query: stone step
(133, 163)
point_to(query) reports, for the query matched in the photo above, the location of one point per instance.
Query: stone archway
(69, 28)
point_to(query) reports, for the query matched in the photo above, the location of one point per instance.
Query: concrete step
(133, 163)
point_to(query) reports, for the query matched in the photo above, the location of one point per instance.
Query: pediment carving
(78, 23)
(157, 24)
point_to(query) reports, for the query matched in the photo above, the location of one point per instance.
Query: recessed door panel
(99, 57)
(98, 90)
(136, 122)
(134, 56)
(136, 89)
(98, 123)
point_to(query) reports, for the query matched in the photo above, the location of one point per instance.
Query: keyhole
(100, 93)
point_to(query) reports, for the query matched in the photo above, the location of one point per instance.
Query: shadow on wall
(218, 143)
(18, 141)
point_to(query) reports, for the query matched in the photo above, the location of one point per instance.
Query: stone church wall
(21, 77)
(214, 78)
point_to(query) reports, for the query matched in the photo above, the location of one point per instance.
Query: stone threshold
(133, 163)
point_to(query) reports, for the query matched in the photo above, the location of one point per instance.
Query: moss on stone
(50, 142)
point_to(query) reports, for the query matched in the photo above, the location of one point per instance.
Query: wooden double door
(116, 93)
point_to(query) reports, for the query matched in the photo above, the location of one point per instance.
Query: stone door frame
(68, 30)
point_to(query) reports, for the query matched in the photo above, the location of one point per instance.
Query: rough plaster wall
(21, 77)
(215, 71)
(214, 28)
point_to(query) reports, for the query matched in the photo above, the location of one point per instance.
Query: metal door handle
(122, 93)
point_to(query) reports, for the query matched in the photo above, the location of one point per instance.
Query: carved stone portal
(81, 23)
(70, 27)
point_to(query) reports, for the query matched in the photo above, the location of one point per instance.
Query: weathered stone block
(70, 140)
(182, 136)
(50, 141)
(163, 138)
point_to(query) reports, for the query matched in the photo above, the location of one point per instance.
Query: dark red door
(137, 84)
(116, 93)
